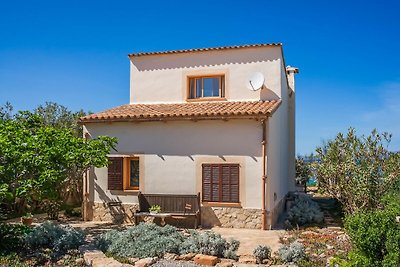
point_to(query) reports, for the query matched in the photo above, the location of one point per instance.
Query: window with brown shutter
(220, 183)
(115, 173)
(123, 173)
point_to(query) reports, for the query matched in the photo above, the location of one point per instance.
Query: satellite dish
(255, 81)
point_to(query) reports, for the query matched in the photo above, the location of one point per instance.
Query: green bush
(292, 253)
(375, 236)
(56, 237)
(144, 240)
(11, 236)
(304, 211)
(73, 212)
(150, 240)
(209, 243)
(261, 253)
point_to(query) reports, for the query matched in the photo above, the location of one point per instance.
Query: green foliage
(11, 236)
(375, 236)
(35, 159)
(150, 240)
(52, 208)
(58, 116)
(358, 171)
(53, 236)
(304, 211)
(73, 212)
(210, 243)
(143, 240)
(303, 172)
(12, 260)
(155, 208)
(261, 253)
(292, 253)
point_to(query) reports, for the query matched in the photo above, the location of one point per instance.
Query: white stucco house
(192, 126)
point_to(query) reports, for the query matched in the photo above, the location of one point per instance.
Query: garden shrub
(57, 237)
(210, 243)
(150, 240)
(73, 212)
(11, 236)
(292, 253)
(143, 240)
(375, 236)
(261, 253)
(304, 211)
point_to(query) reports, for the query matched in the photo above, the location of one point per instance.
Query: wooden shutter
(220, 183)
(206, 182)
(115, 173)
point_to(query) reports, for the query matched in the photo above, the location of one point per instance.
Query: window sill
(131, 190)
(221, 204)
(206, 99)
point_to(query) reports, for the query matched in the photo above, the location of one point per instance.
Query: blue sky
(75, 53)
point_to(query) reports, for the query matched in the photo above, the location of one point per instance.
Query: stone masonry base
(229, 217)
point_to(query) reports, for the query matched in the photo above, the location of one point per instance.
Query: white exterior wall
(280, 166)
(172, 154)
(163, 78)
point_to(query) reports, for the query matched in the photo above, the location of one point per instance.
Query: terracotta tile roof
(186, 111)
(201, 49)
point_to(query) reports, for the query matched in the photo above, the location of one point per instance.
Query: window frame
(220, 201)
(221, 91)
(127, 172)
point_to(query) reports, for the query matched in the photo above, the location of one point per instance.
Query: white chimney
(290, 72)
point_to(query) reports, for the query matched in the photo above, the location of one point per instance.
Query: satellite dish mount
(255, 81)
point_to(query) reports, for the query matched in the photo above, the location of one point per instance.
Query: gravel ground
(171, 263)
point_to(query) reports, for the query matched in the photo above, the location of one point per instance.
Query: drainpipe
(264, 177)
(85, 190)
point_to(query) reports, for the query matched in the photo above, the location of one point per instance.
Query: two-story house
(193, 126)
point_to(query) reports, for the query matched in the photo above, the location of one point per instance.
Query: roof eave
(196, 50)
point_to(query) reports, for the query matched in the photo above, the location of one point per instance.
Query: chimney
(290, 72)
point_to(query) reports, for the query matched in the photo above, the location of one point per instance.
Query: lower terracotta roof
(186, 111)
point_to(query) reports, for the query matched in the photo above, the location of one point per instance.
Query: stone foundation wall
(117, 214)
(231, 217)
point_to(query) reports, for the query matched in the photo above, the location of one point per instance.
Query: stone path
(250, 238)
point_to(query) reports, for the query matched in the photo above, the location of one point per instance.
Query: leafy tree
(36, 159)
(59, 116)
(303, 172)
(358, 171)
(6, 111)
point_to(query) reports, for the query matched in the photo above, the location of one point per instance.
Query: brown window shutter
(206, 182)
(220, 183)
(115, 173)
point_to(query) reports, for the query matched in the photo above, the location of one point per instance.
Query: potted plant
(154, 209)
(27, 219)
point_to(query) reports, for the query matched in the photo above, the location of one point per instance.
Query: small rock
(224, 264)
(322, 255)
(205, 260)
(248, 259)
(145, 262)
(60, 262)
(133, 260)
(170, 256)
(329, 247)
(186, 257)
(79, 261)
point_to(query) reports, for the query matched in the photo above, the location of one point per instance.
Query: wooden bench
(176, 205)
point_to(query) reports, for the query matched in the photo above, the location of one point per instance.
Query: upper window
(220, 183)
(206, 86)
